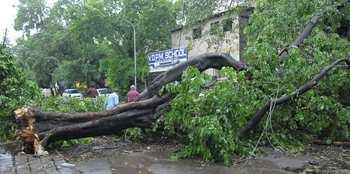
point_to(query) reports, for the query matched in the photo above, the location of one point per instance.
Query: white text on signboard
(164, 60)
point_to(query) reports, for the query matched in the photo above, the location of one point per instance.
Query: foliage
(31, 14)
(208, 119)
(151, 34)
(92, 40)
(134, 134)
(70, 143)
(320, 49)
(69, 104)
(15, 91)
(192, 11)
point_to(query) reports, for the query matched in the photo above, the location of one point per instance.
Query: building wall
(231, 42)
(226, 42)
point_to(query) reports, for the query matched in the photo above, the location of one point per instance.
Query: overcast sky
(7, 18)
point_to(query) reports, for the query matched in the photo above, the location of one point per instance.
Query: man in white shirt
(112, 101)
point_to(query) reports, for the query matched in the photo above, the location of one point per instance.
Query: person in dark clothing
(61, 87)
(92, 92)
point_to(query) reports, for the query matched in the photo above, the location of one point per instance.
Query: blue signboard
(164, 60)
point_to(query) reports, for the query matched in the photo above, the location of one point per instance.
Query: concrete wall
(208, 43)
(231, 42)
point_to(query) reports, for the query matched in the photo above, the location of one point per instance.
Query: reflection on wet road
(160, 163)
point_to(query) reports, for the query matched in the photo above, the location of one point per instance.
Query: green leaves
(59, 104)
(209, 118)
(15, 91)
(79, 34)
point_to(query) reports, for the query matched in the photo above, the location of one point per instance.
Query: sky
(8, 12)
(7, 18)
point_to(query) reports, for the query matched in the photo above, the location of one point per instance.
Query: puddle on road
(160, 163)
(5, 160)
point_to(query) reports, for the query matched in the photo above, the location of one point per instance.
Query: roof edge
(245, 9)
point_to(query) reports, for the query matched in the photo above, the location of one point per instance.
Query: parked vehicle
(46, 92)
(104, 91)
(72, 93)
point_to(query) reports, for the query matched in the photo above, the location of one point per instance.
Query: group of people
(113, 99)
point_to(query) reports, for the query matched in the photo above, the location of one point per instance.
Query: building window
(227, 25)
(214, 28)
(197, 33)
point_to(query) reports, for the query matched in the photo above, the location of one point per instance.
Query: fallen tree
(41, 128)
(38, 129)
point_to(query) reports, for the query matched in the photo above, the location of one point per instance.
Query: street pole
(135, 80)
(5, 38)
(135, 70)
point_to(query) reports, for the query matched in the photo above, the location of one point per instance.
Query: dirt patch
(329, 159)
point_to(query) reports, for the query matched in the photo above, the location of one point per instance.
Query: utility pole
(135, 80)
(135, 67)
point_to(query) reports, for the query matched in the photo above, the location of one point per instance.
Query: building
(221, 33)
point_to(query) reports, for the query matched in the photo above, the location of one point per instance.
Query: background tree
(92, 37)
(31, 16)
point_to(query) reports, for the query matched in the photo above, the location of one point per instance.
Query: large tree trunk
(38, 129)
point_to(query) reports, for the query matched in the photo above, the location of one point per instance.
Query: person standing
(133, 94)
(112, 101)
(61, 86)
(92, 92)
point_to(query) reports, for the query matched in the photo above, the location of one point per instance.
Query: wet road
(29, 164)
(153, 161)
(160, 163)
(125, 163)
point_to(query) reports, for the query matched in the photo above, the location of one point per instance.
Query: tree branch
(253, 122)
(201, 62)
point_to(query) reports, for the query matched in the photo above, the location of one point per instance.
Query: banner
(164, 60)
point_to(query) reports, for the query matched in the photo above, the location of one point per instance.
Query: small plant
(134, 134)
(70, 143)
